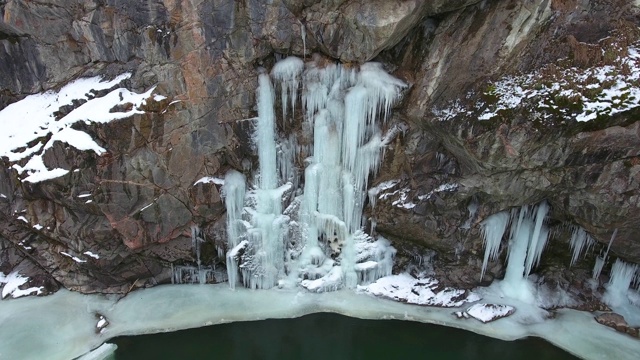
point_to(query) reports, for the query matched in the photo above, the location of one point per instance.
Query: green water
(329, 337)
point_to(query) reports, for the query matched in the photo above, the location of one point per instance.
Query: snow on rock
(427, 291)
(441, 188)
(330, 282)
(489, 312)
(89, 253)
(12, 283)
(208, 180)
(74, 258)
(101, 324)
(559, 90)
(36, 115)
(400, 197)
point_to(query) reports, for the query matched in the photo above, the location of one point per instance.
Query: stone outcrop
(204, 57)
(617, 322)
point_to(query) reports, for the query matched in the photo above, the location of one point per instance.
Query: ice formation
(493, 228)
(190, 274)
(580, 240)
(282, 235)
(527, 238)
(622, 275)
(602, 258)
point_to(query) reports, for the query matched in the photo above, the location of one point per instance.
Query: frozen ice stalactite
(234, 190)
(287, 73)
(265, 136)
(580, 240)
(527, 239)
(622, 274)
(318, 245)
(344, 108)
(602, 258)
(263, 262)
(493, 228)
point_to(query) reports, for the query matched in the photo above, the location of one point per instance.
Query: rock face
(204, 57)
(617, 322)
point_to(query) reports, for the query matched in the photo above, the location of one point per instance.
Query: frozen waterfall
(527, 238)
(283, 235)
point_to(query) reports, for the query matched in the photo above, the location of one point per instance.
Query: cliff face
(135, 203)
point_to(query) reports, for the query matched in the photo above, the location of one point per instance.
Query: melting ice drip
(317, 240)
(527, 238)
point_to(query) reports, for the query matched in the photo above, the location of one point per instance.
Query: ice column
(528, 237)
(343, 109)
(347, 149)
(234, 194)
(265, 236)
(622, 274)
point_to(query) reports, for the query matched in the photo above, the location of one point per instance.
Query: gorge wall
(134, 205)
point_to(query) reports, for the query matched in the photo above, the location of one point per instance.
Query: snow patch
(74, 258)
(426, 291)
(89, 253)
(208, 180)
(12, 283)
(37, 118)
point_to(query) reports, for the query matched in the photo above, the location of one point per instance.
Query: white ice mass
(281, 236)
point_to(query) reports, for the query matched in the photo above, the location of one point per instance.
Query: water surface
(327, 336)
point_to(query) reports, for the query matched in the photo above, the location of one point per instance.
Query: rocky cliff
(124, 211)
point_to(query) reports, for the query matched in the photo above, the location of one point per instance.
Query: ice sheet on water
(105, 351)
(26, 324)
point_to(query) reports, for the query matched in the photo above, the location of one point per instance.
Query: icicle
(265, 134)
(622, 274)
(538, 238)
(597, 267)
(527, 238)
(493, 228)
(303, 33)
(233, 192)
(601, 259)
(579, 240)
(287, 72)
